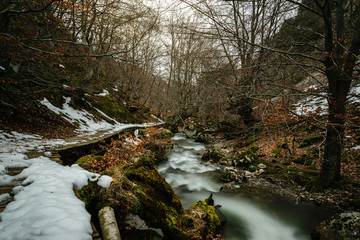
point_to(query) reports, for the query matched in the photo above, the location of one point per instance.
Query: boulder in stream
(344, 226)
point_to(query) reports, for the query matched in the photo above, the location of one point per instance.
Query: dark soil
(21, 111)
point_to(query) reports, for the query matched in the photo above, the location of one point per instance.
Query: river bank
(249, 214)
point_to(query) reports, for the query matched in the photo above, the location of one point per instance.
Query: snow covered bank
(87, 122)
(45, 206)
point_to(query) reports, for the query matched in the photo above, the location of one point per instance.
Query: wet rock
(210, 201)
(139, 225)
(229, 187)
(213, 155)
(344, 226)
(245, 159)
(221, 216)
(228, 176)
(262, 166)
(201, 138)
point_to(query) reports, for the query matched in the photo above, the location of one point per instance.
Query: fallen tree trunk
(109, 227)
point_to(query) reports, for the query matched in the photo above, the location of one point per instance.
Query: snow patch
(4, 198)
(87, 122)
(319, 104)
(45, 206)
(103, 94)
(354, 95)
(104, 181)
(84, 119)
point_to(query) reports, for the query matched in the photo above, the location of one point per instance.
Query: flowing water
(247, 219)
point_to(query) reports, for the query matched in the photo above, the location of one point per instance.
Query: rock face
(344, 226)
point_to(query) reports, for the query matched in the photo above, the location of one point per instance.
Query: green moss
(250, 139)
(91, 196)
(279, 148)
(253, 168)
(245, 159)
(201, 137)
(311, 140)
(212, 218)
(159, 206)
(112, 106)
(212, 154)
(165, 134)
(356, 156)
(135, 209)
(87, 160)
(187, 222)
(228, 127)
(292, 174)
(225, 175)
(199, 128)
(254, 148)
(303, 159)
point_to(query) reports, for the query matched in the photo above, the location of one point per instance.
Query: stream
(247, 218)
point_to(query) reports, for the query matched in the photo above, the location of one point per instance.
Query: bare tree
(241, 27)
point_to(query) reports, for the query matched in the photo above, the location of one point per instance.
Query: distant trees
(79, 32)
(242, 29)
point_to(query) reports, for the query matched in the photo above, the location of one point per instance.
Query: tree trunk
(243, 107)
(330, 168)
(339, 73)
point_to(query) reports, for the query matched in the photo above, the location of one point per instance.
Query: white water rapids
(246, 220)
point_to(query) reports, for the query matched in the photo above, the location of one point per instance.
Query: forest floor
(286, 161)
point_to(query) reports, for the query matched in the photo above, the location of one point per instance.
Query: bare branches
(10, 10)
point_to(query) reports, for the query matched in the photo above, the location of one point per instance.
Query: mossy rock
(159, 205)
(293, 174)
(253, 168)
(304, 159)
(254, 148)
(201, 138)
(228, 127)
(277, 151)
(212, 154)
(165, 134)
(187, 221)
(228, 176)
(91, 195)
(245, 159)
(114, 107)
(146, 174)
(199, 128)
(344, 226)
(211, 218)
(86, 161)
(250, 139)
(310, 140)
